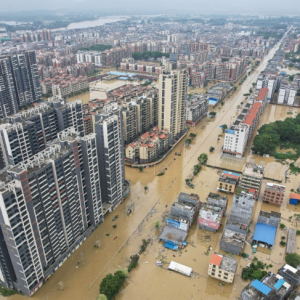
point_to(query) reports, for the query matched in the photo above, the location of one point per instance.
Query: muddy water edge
(148, 281)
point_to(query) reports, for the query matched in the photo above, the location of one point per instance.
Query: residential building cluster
(54, 188)
(182, 215)
(65, 85)
(238, 135)
(19, 82)
(196, 109)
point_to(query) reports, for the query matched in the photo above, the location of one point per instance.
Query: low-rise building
(218, 200)
(291, 274)
(184, 212)
(210, 217)
(196, 109)
(242, 207)
(148, 147)
(228, 182)
(252, 176)
(274, 194)
(233, 238)
(222, 267)
(272, 286)
(265, 230)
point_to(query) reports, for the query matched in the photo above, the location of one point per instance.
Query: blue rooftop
(264, 233)
(261, 287)
(229, 131)
(212, 102)
(235, 174)
(279, 284)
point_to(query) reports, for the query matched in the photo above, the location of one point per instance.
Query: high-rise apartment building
(108, 129)
(139, 115)
(8, 95)
(19, 80)
(25, 134)
(172, 102)
(49, 204)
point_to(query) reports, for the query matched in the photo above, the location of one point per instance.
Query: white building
(222, 267)
(269, 81)
(235, 140)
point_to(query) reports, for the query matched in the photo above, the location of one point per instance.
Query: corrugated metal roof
(279, 284)
(264, 233)
(261, 287)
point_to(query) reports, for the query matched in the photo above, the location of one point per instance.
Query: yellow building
(228, 182)
(222, 267)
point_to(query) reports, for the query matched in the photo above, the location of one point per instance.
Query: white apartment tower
(172, 102)
(235, 140)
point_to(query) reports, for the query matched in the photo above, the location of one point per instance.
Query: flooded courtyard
(147, 281)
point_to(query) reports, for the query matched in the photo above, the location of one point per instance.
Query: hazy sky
(264, 7)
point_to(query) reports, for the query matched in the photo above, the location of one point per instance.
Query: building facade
(25, 134)
(108, 129)
(49, 205)
(274, 194)
(222, 267)
(172, 102)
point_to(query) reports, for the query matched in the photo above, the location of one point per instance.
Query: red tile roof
(216, 260)
(262, 94)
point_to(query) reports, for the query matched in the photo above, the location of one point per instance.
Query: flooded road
(148, 281)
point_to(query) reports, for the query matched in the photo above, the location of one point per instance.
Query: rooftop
(229, 264)
(232, 237)
(173, 234)
(254, 170)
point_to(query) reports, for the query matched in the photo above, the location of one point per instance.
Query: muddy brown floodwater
(148, 281)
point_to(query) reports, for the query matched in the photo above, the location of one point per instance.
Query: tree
(145, 188)
(222, 103)
(253, 84)
(188, 141)
(111, 284)
(156, 224)
(203, 158)
(293, 259)
(102, 297)
(141, 169)
(265, 143)
(250, 90)
(211, 149)
(291, 65)
(224, 127)
(192, 135)
(212, 114)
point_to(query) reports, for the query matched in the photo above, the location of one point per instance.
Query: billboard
(177, 224)
(209, 223)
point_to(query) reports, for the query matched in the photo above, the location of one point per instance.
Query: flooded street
(148, 281)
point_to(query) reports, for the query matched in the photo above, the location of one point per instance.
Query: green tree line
(148, 54)
(97, 47)
(278, 133)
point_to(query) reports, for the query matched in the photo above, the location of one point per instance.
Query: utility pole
(98, 243)
(82, 258)
(61, 284)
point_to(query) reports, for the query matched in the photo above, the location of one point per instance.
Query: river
(148, 281)
(92, 23)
